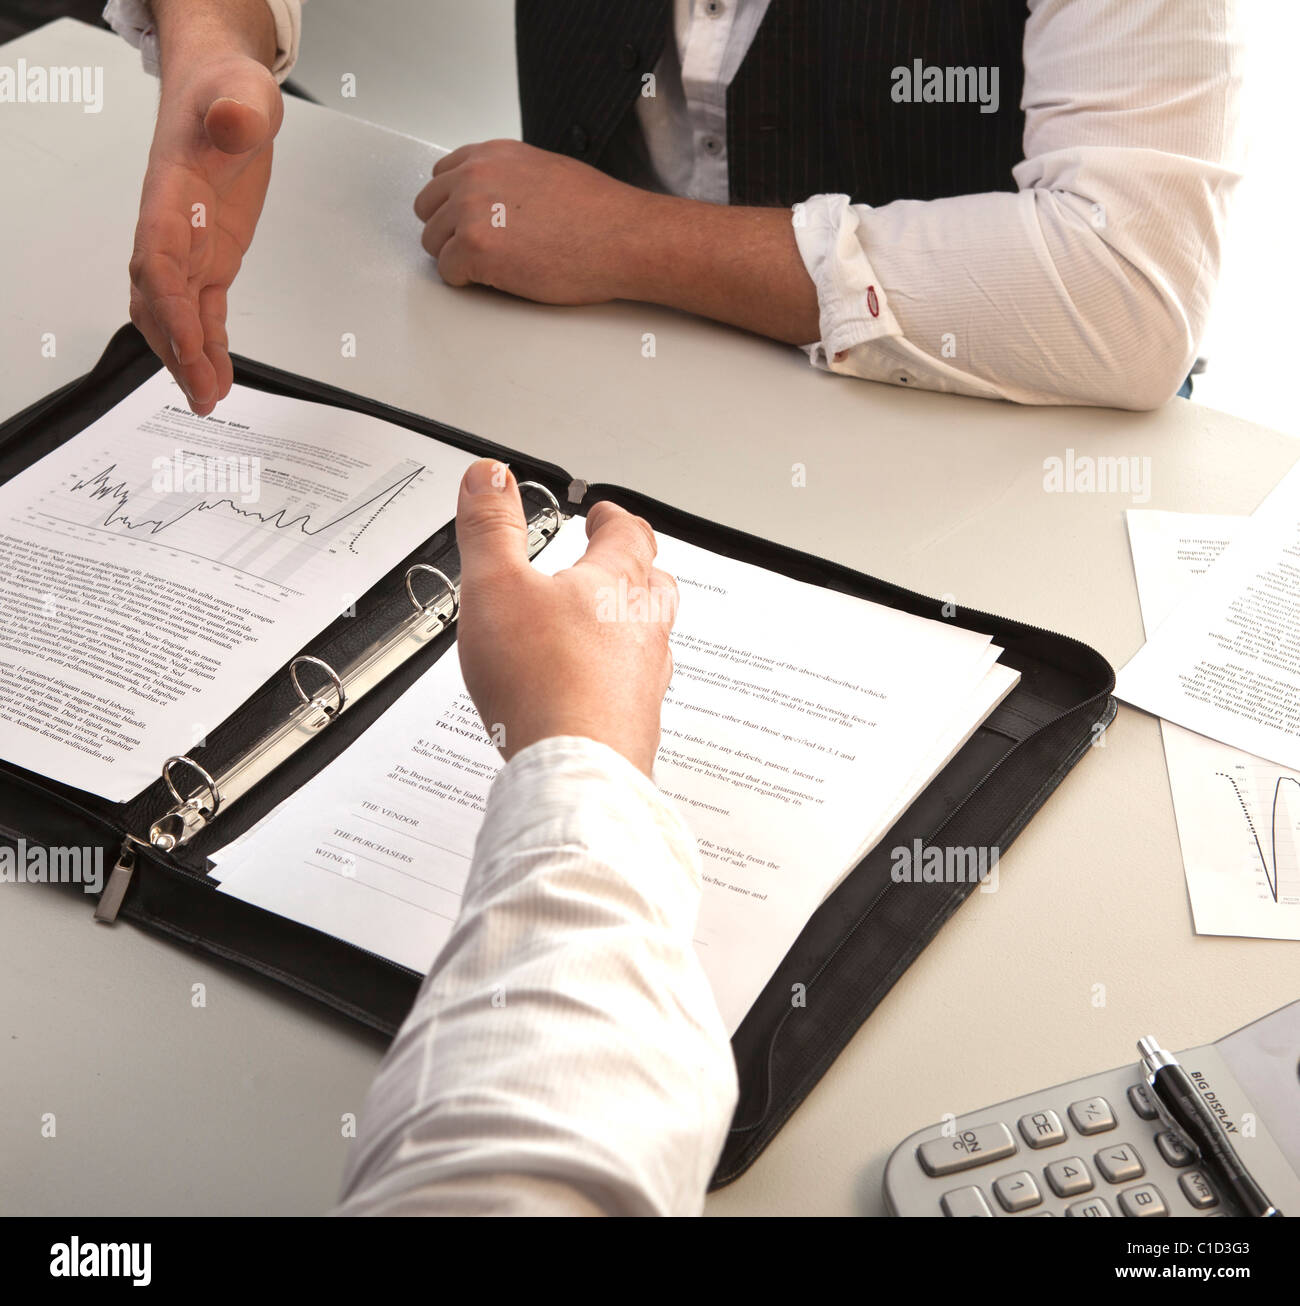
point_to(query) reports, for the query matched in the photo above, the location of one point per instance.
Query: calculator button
(965, 1201)
(1017, 1192)
(1119, 1164)
(1196, 1188)
(1092, 1116)
(1069, 1177)
(1042, 1129)
(1173, 1149)
(1093, 1206)
(1139, 1098)
(1145, 1199)
(969, 1148)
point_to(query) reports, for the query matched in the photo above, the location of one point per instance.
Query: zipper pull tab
(110, 901)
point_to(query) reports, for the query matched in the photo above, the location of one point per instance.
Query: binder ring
(556, 511)
(207, 779)
(318, 701)
(442, 576)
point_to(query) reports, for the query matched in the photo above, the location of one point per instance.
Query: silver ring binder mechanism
(190, 814)
(442, 576)
(193, 812)
(316, 701)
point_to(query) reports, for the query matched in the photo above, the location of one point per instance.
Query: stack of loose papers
(1238, 814)
(1225, 662)
(799, 725)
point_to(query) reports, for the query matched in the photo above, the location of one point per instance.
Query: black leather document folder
(858, 942)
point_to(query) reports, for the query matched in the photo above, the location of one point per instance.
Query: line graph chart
(1269, 803)
(289, 524)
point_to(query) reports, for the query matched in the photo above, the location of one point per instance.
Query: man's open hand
(206, 181)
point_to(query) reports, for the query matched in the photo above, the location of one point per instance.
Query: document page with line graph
(159, 566)
(1238, 815)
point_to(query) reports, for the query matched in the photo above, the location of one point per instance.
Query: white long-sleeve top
(565, 1054)
(1091, 284)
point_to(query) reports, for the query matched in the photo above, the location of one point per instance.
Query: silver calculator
(1097, 1147)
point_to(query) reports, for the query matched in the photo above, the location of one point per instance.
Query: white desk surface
(236, 1107)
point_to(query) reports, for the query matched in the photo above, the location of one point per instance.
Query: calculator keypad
(1069, 1183)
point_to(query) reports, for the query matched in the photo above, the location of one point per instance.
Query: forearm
(735, 265)
(1023, 297)
(565, 1054)
(187, 28)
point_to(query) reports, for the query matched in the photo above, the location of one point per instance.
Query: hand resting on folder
(537, 657)
(618, 1083)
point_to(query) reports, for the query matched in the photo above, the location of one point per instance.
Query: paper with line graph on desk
(1238, 815)
(157, 567)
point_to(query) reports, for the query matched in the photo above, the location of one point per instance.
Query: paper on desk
(798, 719)
(1238, 816)
(1225, 662)
(158, 566)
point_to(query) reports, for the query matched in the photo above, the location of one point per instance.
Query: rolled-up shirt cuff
(852, 304)
(133, 21)
(860, 336)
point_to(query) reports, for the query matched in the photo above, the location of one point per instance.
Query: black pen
(1183, 1108)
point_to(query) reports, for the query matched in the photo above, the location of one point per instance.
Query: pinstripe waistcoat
(873, 98)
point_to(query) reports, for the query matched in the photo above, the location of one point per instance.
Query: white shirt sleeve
(565, 1054)
(1093, 283)
(133, 20)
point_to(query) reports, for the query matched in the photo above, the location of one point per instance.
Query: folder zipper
(119, 881)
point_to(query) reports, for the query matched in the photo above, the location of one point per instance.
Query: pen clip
(1154, 1059)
